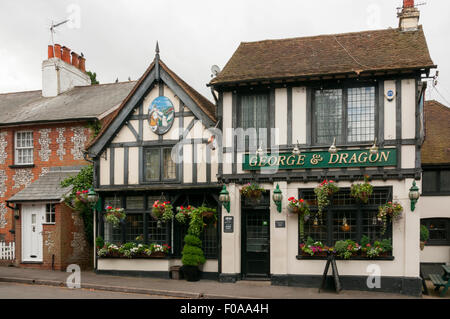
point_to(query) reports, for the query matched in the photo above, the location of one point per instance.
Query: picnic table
(441, 280)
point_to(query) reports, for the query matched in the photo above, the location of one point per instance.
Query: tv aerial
(215, 70)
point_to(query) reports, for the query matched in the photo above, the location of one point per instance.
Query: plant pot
(422, 245)
(292, 210)
(191, 273)
(208, 215)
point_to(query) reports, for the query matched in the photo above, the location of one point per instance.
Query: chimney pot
(50, 52)
(66, 54)
(408, 3)
(75, 60)
(58, 51)
(81, 63)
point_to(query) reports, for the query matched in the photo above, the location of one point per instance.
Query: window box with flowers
(133, 250)
(312, 248)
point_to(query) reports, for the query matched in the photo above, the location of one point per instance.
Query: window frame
(359, 209)
(17, 148)
(345, 116)
(50, 213)
(161, 178)
(239, 117)
(437, 242)
(438, 170)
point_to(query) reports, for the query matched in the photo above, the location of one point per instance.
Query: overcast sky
(118, 37)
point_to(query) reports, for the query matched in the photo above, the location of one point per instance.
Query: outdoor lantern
(224, 198)
(414, 195)
(92, 196)
(16, 212)
(296, 150)
(333, 148)
(374, 148)
(277, 198)
(260, 151)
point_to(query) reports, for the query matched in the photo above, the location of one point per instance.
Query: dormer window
(23, 154)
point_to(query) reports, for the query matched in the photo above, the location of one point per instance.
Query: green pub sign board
(322, 159)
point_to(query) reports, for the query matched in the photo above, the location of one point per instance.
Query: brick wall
(54, 145)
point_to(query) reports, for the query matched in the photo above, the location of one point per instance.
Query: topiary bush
(192, 254)
(424, 233)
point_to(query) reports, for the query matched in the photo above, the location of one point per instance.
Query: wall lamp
(414, 195)
(224, 198)
(374, 148)
(296, 150)
(278, 198)
(333, 148)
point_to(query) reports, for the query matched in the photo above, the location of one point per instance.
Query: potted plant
(115, 216)
(323, 192)
(162, 210)
(253, 192)
(362, 191)
(346, 248)
(183, 213)
(192, 257)
(390, 210)
(424, 235)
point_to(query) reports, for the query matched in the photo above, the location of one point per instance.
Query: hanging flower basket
(298, 206)
(390, 210)
(162, 211)
(253, 192)
(208, 214)
(362, 192)
(115, 216)
(323, 192)
(184, 213)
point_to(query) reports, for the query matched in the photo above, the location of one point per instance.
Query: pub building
(335, 107)
(293, 113)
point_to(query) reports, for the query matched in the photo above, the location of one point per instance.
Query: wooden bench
(439, 282)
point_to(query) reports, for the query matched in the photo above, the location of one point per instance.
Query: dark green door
(255, 243)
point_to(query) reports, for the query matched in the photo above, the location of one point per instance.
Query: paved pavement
(9, 290)
(182, 288)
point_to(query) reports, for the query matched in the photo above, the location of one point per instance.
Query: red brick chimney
(66, 54)
(58, 51)
(408, 3)
(50, 52)
(75, 59)
(81, 63)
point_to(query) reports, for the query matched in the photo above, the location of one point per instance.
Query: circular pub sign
(161, 114)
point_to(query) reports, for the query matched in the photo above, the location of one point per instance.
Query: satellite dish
(215, 70)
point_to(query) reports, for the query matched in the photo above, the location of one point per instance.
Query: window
(50, 213)
(439, 229)
(23, 148)
(159, 165)
(253, 118)
(362, 219)
(436, 181)
(345, 114)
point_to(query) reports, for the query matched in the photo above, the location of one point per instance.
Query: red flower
(291, 199)
(182, 207)
(301, 200)
(109, 207)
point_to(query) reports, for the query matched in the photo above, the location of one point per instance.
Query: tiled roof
(349, 53)
(436, 147)
(47, 187)
(82, 102)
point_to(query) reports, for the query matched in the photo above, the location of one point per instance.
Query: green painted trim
(322, 159)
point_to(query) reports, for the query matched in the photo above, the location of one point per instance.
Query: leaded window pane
(445, 181)
(135, 202)
(361, 114)
(152, 169)
(158, 232)
(134, 226)
(169, 164)
(328, 115)
(429, 181)
(254, 117)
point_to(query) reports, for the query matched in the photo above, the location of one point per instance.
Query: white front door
(33, 215)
